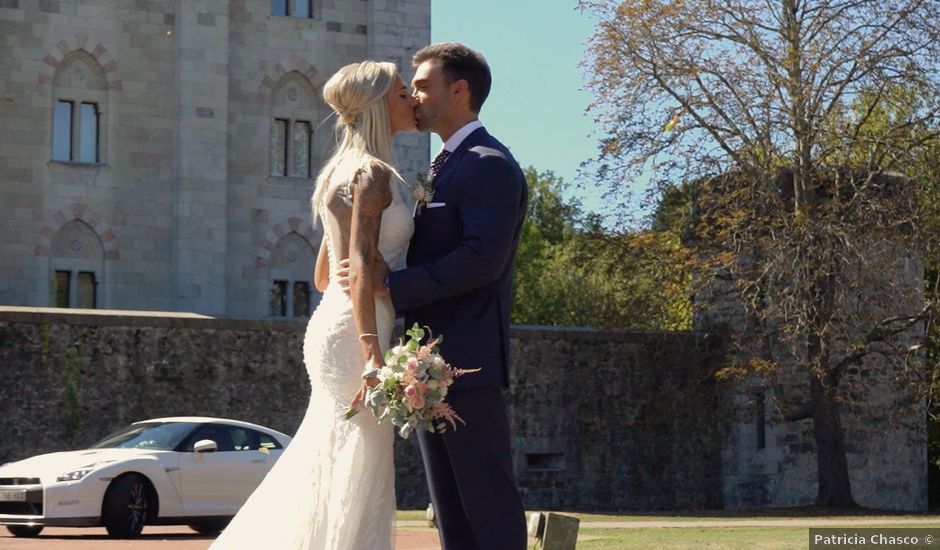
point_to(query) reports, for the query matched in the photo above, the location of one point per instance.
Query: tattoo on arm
(370, 197)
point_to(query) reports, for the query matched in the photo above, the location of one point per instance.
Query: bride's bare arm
(370, 197)
(321, 273)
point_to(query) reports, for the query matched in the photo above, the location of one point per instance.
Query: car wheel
(24, 530)
(209, 526)
(125, 507)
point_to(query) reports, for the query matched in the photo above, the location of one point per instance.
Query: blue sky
(536, 105)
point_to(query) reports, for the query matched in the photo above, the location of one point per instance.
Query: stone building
(161, 154)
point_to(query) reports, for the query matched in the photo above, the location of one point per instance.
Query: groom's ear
(460, 91)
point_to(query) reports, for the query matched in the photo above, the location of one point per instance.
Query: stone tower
(161, 155)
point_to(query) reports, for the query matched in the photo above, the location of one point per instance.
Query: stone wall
(601, 421)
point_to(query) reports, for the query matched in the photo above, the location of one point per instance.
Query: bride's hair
(357, 95)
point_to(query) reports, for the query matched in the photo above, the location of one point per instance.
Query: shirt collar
(460, 135)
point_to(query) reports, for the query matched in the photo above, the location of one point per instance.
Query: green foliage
(570, 271)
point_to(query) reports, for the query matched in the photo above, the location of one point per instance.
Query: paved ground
(169, 538)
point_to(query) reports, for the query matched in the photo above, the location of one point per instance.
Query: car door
(254, 445)
(218, 483)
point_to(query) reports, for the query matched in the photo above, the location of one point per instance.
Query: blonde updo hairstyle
(357, 95)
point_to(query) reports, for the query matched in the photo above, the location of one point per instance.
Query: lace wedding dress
(334, 486)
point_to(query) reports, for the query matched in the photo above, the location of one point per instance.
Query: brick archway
(79, 211)
(277, 231)
(270, 80)
(79, 42)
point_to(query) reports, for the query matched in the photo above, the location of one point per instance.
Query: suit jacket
(461, 259)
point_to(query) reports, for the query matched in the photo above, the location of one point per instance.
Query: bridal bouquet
(412, 387)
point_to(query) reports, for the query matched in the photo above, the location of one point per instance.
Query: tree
(772, 103)
(570, 271)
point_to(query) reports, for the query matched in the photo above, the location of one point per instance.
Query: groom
(459, 283)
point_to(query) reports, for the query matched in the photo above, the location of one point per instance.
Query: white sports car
(194, 471)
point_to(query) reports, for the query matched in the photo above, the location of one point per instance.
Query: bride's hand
(370, 382)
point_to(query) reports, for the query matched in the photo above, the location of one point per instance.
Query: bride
(334, 486)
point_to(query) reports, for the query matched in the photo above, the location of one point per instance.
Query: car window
(243, 438)
(216, 432)
(160, 436)
(266, 441)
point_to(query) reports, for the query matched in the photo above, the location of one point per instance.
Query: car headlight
(78, 474)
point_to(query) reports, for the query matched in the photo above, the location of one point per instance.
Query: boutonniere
(423, 192)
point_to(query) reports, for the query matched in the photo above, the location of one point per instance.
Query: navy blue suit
(459, 283)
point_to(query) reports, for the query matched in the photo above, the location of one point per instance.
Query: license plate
(12, 496)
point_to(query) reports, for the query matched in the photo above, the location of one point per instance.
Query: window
(291, 293)
(88, 133)
(164, 436)
(300, 142)
(760, 421)
(79, 103)
(76, 262)
(62, 131)
(292, 144)
(71, 142)
(290, 148)
(265, 441)
(278, 299)
(243, 438)
(85, 291)
(222, 435)
(292, 8)
(75, 289)
(62, 281)
(290, 299)
(301, 301)
(246, 439)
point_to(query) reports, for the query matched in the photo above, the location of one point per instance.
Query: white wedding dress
(334, 486)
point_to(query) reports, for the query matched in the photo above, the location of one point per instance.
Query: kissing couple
(446, 263)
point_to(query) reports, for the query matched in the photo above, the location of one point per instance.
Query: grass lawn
(404, 515)
(694, 538)
(663, 537)
(709, 538)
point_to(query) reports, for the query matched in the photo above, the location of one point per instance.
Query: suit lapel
(449, 170)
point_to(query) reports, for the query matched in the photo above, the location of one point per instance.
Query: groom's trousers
(470, 476)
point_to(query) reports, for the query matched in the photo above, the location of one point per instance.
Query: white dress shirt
(455, 140)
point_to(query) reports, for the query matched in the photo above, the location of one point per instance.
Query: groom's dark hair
(459, 62)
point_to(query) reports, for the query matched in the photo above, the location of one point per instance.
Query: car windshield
(159, 436)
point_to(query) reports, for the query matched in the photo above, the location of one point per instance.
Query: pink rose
(412, 365)
(418, 401)
(411, 391)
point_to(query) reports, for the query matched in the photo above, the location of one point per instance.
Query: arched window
(292, 263)
(293, 111)
(79, 100)
(77, 266)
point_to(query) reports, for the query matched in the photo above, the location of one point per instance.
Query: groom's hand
(379, 273)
